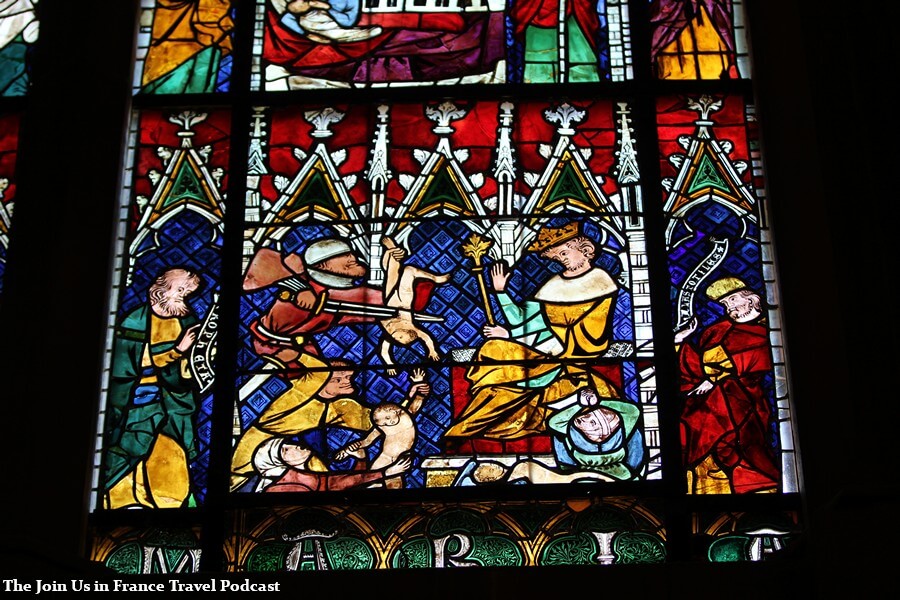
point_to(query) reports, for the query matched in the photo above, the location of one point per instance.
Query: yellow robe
(181, 30)
(298, 409)
(509, 399)
(162, 479)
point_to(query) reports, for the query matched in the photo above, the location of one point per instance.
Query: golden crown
(551, 236)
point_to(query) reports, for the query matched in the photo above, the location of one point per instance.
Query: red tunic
(730, 422)
(285, 321)
(295, 480)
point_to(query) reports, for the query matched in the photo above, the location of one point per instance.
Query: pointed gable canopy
(707, 173)
(312, 192)
(186, 185)
(317, 191)
(710, 175)
(567, 183)
(442, 191)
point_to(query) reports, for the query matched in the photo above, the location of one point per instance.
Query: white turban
(322, 250)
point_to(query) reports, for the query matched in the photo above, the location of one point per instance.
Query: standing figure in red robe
(725, 435)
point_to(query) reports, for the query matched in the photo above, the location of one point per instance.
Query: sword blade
(372, 310)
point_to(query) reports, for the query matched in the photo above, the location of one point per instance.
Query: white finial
(565, 115)
(322, 119)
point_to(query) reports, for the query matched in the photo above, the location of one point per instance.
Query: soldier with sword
(312, 297)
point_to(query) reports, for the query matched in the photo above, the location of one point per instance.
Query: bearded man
(152, 399)
(726, 415)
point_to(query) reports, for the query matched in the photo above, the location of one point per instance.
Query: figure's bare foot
(391, 372)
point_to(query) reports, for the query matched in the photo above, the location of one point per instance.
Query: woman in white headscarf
(291, 466)
(274, 457)
(268, 463)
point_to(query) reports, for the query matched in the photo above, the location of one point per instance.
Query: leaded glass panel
(699, 39)
(9, 147)
(747, 536)
(498, 260)
(448, 535)
(184, 47)
(146, 551)
(19, 28)
(735, 418)
(158, 383)
(439, 42)
(442, 295)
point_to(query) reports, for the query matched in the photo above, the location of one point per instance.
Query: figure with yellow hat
(726, 415)
(542, 356)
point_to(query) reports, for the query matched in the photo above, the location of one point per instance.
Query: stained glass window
(703, 39)
(184, 47)
(735, 419)
(743, 537)
(19, 28)
(9, 145)
(439, 42)
(161, 345)
(135, 551)
(492, 325)
(507, 534)
(462, 249)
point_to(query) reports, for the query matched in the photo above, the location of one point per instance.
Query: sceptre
(476, 247)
